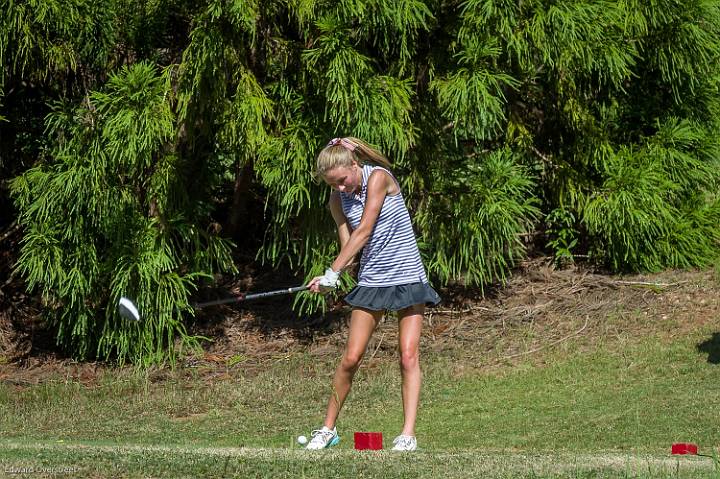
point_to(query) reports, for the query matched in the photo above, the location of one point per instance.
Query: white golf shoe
(404, 443)
(322, 438)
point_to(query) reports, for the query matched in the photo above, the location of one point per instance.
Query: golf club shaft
(244, 297)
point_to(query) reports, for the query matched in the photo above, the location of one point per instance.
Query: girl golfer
(371, 216)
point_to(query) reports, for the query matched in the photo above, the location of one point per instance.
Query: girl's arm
(377, 188)
(338, 215)
(352, 241)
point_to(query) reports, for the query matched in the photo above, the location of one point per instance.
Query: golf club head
(128, 310)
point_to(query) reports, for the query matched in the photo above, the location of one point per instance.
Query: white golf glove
(329, 280)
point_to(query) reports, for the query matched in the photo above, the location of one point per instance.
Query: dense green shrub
(591, 124)
(108, 214)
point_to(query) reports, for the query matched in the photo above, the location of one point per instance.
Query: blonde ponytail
(342, 152)
(368, 154)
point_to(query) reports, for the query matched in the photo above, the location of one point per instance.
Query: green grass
(610, 410)
(81, 460)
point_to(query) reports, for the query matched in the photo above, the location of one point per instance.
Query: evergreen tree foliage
(592, 124)
(107, 215)
(618, 101)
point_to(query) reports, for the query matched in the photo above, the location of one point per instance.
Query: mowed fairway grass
(608, 408)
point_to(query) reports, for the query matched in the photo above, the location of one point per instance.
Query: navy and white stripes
(391, 255)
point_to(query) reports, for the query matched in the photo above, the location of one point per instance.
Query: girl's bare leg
(362, 325)
(411, 320)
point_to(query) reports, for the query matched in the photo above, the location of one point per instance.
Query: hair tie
(350, 145)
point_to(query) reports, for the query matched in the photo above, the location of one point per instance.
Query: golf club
(129, 310)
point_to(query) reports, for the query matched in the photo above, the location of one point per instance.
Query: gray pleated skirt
(392, 298)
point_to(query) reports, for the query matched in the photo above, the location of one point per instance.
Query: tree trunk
(238, 209)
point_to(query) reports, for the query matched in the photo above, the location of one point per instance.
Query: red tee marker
(684, 448)
(368, 440)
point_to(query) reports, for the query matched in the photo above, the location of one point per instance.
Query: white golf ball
(302, 440)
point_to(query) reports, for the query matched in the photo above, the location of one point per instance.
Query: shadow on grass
(712, 348)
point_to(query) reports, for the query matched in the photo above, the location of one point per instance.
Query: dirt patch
(542, 307)
(539, 309)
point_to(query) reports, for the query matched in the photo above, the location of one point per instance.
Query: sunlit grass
(612, 410)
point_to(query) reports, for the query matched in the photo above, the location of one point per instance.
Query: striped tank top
(391, 255)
